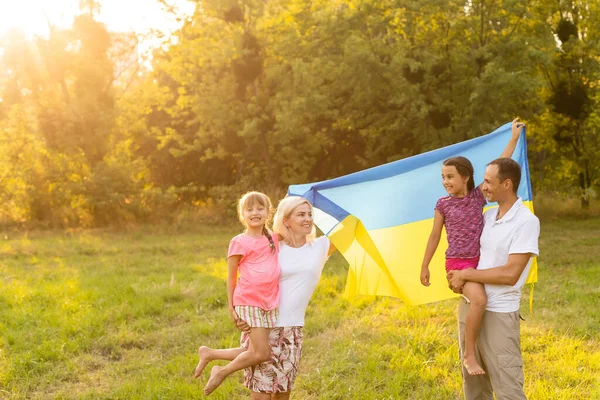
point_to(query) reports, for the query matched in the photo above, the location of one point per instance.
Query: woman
(301, 258)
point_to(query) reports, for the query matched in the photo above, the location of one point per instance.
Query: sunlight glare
(32, 16)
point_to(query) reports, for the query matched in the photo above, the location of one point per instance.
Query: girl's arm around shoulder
(477, 194)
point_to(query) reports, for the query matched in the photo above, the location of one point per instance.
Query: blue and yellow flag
(380, 218)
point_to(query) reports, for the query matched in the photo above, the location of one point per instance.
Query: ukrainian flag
(380, 218)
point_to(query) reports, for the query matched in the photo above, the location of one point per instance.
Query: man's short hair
(508, 169)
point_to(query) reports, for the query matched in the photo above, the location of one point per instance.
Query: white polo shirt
(516, 232)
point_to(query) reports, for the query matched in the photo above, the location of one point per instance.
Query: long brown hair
(464, 168)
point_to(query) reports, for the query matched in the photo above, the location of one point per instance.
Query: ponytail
(268, 235)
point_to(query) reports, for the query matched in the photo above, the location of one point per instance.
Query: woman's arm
(233, 264)
(432, 244)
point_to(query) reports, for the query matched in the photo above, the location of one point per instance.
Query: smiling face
(501, 180)
(492, 188)
(254, 210)
(255, 215)
(300, 222)
(453, 182)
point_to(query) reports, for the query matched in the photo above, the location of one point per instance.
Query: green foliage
(260, 95)
(568, 136)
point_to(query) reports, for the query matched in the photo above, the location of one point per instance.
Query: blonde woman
(301, 260)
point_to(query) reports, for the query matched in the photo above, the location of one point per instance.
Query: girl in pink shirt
(461, 212)
(254, 295)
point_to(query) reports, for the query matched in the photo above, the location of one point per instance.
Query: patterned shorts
(279, 374)
(256, 317)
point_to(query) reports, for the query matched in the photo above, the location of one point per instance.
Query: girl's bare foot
(214, 381)
(203, 352)
(473, 368)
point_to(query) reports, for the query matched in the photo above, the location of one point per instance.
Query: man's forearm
(508, 274)
(493, 276)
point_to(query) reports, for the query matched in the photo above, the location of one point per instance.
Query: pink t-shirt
(463, 218)
(258, 282)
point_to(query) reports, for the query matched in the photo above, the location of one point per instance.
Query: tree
(570, 123)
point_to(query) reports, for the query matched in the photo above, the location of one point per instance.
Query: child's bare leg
(475, 292)
(260, 396)
(259, 351)
(207, 355)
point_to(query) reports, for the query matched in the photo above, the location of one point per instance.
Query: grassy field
(105, 315)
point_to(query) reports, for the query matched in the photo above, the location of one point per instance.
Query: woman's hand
(238, 322)
(242, 325)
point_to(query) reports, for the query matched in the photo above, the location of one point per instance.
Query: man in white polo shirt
(508, 242)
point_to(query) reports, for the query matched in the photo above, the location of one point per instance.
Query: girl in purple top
(461, 212)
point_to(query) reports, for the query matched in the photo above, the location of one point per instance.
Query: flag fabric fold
(380, 218)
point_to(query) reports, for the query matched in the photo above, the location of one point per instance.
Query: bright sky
(118, 15)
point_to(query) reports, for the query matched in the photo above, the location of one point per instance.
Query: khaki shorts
(256, 317)
(498, 351)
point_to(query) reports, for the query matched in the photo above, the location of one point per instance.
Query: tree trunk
(583, 187)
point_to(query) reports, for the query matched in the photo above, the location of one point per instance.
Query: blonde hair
(262, 199)
(285, 210)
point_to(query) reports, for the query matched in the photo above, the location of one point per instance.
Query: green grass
(119, 315)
